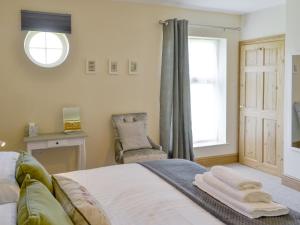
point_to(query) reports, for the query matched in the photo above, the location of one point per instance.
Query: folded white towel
(250, 195)
(251, 210)
(234, 179)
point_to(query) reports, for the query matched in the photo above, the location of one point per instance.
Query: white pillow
(133, 135)
(9, 188)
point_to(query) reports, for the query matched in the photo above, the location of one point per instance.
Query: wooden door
(261, 106)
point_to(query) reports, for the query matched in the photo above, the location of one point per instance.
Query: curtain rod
(204, 25)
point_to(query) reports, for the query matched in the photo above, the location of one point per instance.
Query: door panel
(250, 140)
(251, 86)
(269, 140)
(270, 91)
(253, 57)
(271, 54)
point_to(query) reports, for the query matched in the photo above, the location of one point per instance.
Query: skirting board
(290, 182)
(217, 160)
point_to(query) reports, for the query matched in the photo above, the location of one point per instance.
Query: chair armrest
(155, 146)
(118, 151)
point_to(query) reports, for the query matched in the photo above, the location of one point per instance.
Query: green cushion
(27, 164)
(37, 206)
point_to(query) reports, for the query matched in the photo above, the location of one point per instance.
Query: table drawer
(57, 143)
(37, 145)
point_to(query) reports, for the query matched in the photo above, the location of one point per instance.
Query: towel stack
(239, 193)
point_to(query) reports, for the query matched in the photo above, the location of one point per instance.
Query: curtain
(175, 106)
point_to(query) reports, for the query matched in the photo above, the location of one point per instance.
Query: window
(208, 90)
(46, 49)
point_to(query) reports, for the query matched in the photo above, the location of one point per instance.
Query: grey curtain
(175, 107)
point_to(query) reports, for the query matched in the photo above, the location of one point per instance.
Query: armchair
(135, 155)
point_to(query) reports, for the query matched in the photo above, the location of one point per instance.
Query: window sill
(209, 144)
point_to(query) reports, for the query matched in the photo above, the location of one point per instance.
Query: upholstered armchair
(124, 155)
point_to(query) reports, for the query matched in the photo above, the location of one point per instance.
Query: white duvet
(132, 195)
(8, 214)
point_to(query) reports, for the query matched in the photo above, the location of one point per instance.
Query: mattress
(132, 195)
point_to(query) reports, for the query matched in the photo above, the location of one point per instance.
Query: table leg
(82, 156)
(29, 150)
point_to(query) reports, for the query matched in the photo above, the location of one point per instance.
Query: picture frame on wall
(113, 67)
(133, 67)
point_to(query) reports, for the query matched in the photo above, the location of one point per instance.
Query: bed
(132, 195)
(153, 193)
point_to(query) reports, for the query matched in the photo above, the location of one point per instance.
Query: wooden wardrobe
(261, 104)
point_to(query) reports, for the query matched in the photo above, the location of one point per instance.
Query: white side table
(57, 140)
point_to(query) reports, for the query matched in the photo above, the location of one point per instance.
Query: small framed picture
(113, 67)
(133, 67)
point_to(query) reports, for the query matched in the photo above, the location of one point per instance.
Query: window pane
(203, 56)
(204, 112)
(46, 49)
(53, 55)
(203, 59)
(53, 41)
(38, 55)
(38, 41)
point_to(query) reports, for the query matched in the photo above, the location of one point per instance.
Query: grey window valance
(44, 21)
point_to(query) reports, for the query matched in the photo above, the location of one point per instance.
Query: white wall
(263, 23)
(291, 156)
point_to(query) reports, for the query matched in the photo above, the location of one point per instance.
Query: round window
(46, 49)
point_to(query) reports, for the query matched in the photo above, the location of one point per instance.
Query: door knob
(241, 107)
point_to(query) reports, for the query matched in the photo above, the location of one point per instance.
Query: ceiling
(227, 6)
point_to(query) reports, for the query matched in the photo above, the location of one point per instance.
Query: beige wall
(101, 29)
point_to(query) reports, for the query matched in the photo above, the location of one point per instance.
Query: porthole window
(46, 49)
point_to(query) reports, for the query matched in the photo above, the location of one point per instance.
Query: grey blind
(44, 21)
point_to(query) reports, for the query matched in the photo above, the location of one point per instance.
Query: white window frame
(222, 82)
(65, 49)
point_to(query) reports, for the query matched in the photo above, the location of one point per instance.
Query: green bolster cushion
(27, 164)
(37, 206)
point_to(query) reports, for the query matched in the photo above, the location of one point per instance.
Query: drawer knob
(57, 143)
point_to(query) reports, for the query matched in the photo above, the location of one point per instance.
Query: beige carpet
(272, 185)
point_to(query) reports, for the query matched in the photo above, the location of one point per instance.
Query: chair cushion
(129, 117)
(79, 204)
(37, 206)
(143, 155)
(133, 135)
(27, 164)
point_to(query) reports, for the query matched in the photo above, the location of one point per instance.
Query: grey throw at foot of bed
(181, 173)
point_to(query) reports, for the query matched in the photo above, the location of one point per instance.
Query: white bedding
(8, 214)
(132, 195)
(9, 188)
